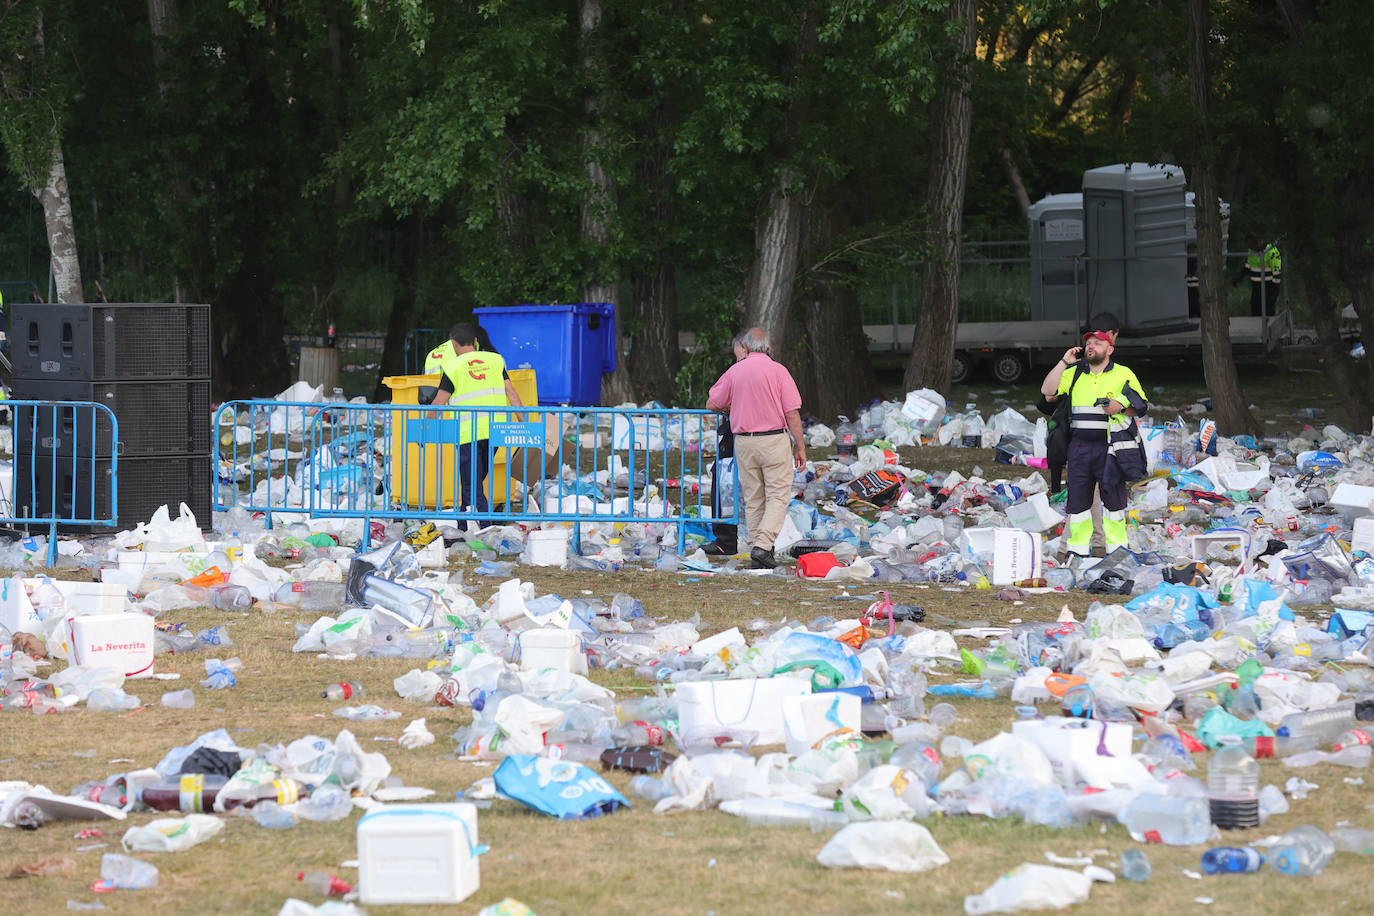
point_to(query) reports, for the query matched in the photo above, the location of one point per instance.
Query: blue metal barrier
(418, 343)
(65, 466)
(410, 461)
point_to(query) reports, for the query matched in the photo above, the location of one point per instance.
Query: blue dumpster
(568, 346)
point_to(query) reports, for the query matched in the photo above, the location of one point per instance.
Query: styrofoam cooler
(552, 647)
(1016, 554)
(420, 853)
(738, 706)
(121, 641)
(547, 547)
(811, 718)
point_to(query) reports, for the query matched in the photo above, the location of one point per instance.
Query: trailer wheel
(1008, 367)
(962, 368)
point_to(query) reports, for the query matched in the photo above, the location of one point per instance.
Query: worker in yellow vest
(472, 377)
(435, 358)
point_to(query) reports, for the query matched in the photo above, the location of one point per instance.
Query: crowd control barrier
(65, 468)
(409, 461)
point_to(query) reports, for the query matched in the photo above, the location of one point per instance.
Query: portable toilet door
(1059, 282)
(1135, 235)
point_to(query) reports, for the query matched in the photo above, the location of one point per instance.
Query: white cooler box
(552, 647)
(739, 707)
(121, 641)
(418, 854)
(88, 597)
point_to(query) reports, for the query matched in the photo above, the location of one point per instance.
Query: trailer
(1125, 246)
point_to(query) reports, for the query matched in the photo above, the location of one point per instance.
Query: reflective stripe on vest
(478, 380)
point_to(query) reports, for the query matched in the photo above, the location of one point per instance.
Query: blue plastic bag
(1185, 603)
(558, 788)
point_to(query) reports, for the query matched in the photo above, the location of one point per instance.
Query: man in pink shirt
(764, 407)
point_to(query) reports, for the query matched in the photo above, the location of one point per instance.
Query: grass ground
(631, 861)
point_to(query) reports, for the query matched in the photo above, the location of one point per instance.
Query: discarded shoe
(762, 558)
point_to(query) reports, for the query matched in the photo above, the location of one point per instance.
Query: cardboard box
(1016, 554)
(418, 854)
(121, 641)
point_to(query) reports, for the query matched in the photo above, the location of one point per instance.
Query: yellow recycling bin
(424, 476)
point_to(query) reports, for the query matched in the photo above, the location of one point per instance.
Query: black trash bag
(211, 762)
(1110, 582)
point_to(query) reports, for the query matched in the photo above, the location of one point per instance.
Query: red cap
(1100, 335)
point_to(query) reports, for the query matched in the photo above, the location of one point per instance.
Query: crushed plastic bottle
(125, 873)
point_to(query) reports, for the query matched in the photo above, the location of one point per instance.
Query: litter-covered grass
(628, 862)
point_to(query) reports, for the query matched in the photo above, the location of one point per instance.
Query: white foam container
(418, 853)
(122, 641)
(1353, 497)
(552, 647)
(1069, 742)
(547, 547)
(1034, 513)
(88, 597)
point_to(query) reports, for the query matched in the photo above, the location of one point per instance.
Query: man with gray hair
(764, 407)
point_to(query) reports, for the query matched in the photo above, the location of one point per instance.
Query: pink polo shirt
(758, 392)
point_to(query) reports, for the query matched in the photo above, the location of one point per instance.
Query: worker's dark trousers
(1088, 468)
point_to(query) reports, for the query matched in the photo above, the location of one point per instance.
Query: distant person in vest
(1264, 270)
(472, 377)
(1105, 451)
(765, 407)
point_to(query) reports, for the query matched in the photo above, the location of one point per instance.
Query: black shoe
(763, 559)
(716, 549)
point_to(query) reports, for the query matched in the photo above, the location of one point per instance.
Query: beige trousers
(765, 476)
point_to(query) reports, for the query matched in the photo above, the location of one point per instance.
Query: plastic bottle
(100, 792)
(1135, 865)
(273, 816)
(344, 690)
(634, 734)
(1354, 737)
(1263, 747)
(324, 884)
(1077, 702)
(327, 803)
(214, 636)
(1327, 724)
(28, 816)
(233, 598)
(233, 548)
(921, 758)
(1304, 851)
(847, 440)
(1222, 859)
(650, 788)
(126, 872)
(105, 699)
(1167, 819)
(614, 554)
(219, 675)
(188, 792)
(1233, 788)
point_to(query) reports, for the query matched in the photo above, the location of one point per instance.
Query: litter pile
(832, 724)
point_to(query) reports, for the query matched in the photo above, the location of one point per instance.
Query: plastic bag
(1031, 887)
(891, 845)
(558, 788)
(171, 834)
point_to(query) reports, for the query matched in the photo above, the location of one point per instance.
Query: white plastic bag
(172, 834)
(891, 845)
(1031, 887)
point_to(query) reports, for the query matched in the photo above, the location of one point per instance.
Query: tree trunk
(832, 367)
(768, 292)
(1343, 370)
(164, 21)
(413, 239)
(932, 347)
(654, 357)
(57, 217)
(1218, 360)
(599, 203)
(1356, 268)
(1018, 187)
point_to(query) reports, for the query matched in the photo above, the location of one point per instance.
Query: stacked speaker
(150, 365)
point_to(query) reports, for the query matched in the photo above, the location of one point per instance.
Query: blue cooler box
(568, 346)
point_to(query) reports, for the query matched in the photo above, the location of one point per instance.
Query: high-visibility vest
(1265, 266)
(478, 380)
(434, 361)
